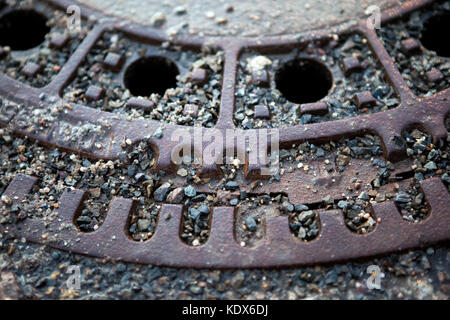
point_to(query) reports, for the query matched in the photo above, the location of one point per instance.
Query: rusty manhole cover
(96, 116)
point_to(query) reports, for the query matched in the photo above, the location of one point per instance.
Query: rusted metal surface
(242, 18)
(279, 248)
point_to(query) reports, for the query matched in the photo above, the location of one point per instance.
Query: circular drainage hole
(23, 29)
(151, 75)
(303, 80)
(433, 34)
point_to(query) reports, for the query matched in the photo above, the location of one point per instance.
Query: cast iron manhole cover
(328, 135)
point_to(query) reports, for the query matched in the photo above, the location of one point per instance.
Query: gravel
(330, 53)
(190, 191)
(12, 63)
(250, 223)
(36, 275)
(414, 67)
(167, 107)
(411, 201)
